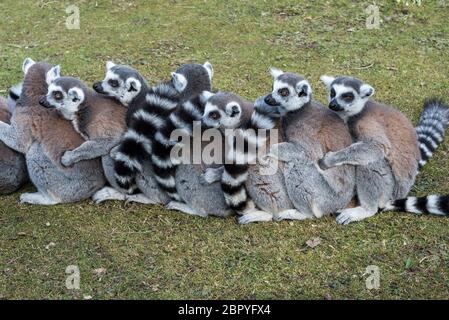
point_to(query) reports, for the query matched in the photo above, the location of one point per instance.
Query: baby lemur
(43, 136)
(387, 150)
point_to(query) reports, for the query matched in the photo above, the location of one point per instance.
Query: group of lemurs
(354, 158)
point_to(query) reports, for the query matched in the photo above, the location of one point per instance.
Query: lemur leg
(211, 175)
(179, 206)
(89, 150)
(8, 135)
(37, 198)
(357, 154)
(375, 184)
(291, 214)
(255, 216)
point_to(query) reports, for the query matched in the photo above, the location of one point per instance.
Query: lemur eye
(284, 92)
(57, 95)
(348, 97)
(332, 93)
(113, 83)
(214, 115)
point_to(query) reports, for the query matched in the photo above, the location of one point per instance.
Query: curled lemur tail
(136, 144)
(235, 171)
(15, 92)
(431, 128)
(181, 118)
(435, 205)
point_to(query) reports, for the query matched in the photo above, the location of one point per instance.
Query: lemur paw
(326, 162)
(350, 215)
(67, 159)
(255, 216)
(211, 175)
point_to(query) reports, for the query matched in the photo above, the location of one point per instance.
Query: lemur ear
(233, 109)
(366, 90)
(76, 95)
(209, 69)
(133, 84)
(327, 80)
(27, 63)
(276, 72)
(303, 88)
(205, 96)
(179, 81)
(53, 74)
(110, 65)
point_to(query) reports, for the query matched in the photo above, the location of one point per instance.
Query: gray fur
(55, 184)
(313, 192)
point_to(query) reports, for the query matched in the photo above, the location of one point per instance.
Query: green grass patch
(149, 252)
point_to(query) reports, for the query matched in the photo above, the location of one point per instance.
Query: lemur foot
(107, 193)
(140, 198)
(37, 198)
(291, 214)
(211, 175)
(255, 216)
(347, 216)
(179, 206)
(67, 159)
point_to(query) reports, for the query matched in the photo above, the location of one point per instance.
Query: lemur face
(290, 91)
(121, 82)
(65, 94)
(347, 95)
(223, 111)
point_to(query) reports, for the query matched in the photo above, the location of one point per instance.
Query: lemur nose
(271, 101)
(333, 105)
(98, 87)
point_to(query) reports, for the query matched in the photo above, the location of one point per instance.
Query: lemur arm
(89, 150)
(358, 154)
(8, 135)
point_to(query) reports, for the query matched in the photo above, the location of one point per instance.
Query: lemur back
(400, 146)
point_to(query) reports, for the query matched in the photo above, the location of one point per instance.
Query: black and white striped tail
(237, 161)
(15, 92)
(434, 205)
(164, 168)
(136, 144)
(431, 128)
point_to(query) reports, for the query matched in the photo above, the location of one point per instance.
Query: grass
(149, 252)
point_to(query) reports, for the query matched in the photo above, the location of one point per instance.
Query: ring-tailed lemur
(387, 150)
(195, 197)
(100, 120)
(310, 131)
(244, 184)
(148, 109)
(13, 171)
(43, 136)
(195, 80)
